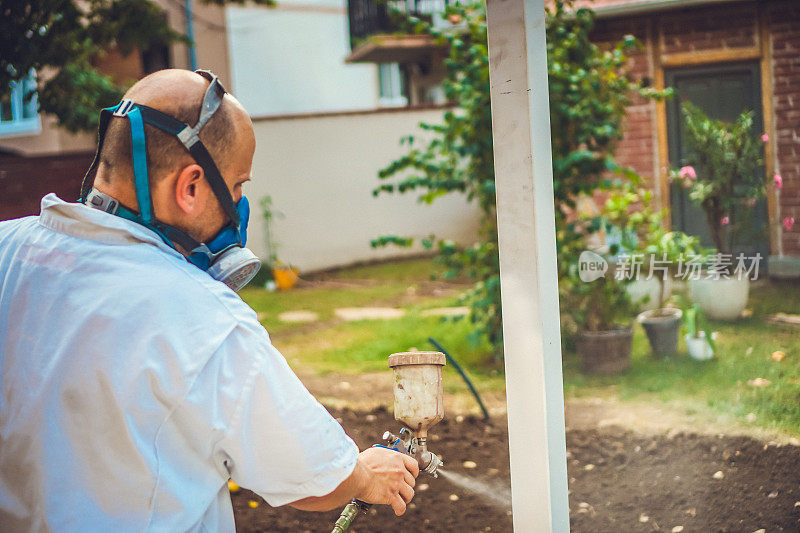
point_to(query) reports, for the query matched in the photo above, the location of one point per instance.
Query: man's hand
(387, 477)
(380, 476)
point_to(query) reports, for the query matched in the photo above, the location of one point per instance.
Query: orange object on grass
(285, 277)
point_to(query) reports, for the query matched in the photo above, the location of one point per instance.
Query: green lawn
(716, 388)
(319, 300)
(362, 346)
(744, 350)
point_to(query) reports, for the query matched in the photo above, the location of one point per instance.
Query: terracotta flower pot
(605, 352)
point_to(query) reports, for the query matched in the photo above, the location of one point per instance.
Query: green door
(722, 92)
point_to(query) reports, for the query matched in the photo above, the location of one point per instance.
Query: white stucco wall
(320, 172)
(290, 59)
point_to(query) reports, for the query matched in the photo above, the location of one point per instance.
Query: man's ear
(188, 188)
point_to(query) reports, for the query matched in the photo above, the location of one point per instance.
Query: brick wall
(689, 30)
(784, 24)
(24, 180)
(722, 27)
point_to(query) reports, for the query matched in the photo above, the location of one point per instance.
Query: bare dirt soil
(619, 481)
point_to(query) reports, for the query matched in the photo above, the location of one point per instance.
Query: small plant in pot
(651, 253)
(724, 177)
(699, 339)
(662, 324)
(281, 275)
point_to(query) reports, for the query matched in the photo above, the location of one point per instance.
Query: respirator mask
(224, 257)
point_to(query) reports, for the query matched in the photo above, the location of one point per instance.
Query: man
(134, 384)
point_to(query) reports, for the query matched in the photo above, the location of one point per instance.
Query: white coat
(134, 385)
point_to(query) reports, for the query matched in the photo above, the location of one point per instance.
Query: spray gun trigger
(393, 443)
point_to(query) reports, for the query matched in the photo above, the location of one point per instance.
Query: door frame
(762, 52)
(673, 111)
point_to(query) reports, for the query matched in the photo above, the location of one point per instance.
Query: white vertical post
(529, 280)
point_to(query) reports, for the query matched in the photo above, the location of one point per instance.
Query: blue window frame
(18, 116)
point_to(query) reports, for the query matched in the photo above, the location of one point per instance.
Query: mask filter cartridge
(235, 267)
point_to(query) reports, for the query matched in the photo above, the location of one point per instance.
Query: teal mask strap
(88, 178)
(140, 176)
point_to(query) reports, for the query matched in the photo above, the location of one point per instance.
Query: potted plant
(653, 253)
(724, 177)
(283, 276)
(699, 340)
(630, 222)
(667, 251)
(596, 306)
(602, 311)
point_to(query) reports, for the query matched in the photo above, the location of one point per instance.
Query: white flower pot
(640, 288)
(720, 299)
(698, 347)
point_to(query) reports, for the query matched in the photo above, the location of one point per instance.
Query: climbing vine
(589, 91)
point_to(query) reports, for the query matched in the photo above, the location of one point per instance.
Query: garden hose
(349, 514)
(463, 376)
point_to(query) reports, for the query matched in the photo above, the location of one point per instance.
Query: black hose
(463, 375)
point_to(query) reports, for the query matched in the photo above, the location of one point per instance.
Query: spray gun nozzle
(429, 462)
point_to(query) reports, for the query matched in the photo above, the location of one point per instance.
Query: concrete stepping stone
(298, 316)
(446, 311)
(368, 313)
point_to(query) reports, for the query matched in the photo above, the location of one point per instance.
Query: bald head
(178, 93)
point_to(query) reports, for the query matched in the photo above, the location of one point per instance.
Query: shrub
(589, 90)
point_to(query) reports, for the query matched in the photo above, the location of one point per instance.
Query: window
(155, 58)
(18, 115)
(391, 80)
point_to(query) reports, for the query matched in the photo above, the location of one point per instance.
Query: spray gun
(417, 448)
(419, 405)
(406, 443)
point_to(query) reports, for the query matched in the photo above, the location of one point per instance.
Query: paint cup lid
(416, 358)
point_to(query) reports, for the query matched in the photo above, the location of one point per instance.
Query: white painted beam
(529, 281)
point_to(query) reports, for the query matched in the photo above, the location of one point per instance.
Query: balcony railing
(373, 17)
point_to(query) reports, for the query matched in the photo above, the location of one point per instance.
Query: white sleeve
(281, 442)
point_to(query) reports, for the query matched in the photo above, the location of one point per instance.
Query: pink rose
(725, 221)
(750, 202)
(788, 223)
(687, 172)
(765, 137)
(778, 181)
